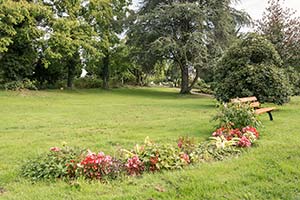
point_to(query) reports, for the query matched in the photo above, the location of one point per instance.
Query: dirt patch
(2, 191)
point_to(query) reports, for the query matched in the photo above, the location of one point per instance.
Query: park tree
(71, 38)
(189, 33)
(282, 28)
(21, 35)
(107, 18)
(252, 67)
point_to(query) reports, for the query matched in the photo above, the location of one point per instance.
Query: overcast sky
(256, 7)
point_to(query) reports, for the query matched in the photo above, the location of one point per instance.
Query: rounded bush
(251, 67)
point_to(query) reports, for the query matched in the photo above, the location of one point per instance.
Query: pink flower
(55, 149)
(244, 142)
(186, 158)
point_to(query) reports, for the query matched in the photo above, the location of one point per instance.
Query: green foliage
(21, 37)
(87, 82)
(50, 40)
(293, 77)
(251, 68)
(203, 87)
(20, 85)
(158, 156)
(58, 163)
(209, 151)
(236, 115)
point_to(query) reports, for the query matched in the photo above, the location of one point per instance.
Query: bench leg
(270, 115)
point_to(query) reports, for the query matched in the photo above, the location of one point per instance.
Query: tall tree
(108, 27)
(71, 37)
(282, 28)
(184, 32)
(20, 37)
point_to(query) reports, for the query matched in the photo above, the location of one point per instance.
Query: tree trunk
(138, 77)
(105, 72)
(71, 72)
(184, 88)
(195, 79)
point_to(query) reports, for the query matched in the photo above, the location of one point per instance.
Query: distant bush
(87, 82)
(251, 68)
(236, 115)
(203, 87)
(20, 85)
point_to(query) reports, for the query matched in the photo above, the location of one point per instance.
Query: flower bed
(71, 163)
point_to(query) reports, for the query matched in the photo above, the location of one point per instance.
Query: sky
(256, 7)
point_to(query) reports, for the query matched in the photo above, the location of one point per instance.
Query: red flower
(218, 132)
(236, 132)
(252, 130)
(153, 160)
(55, 149)
(179, 144)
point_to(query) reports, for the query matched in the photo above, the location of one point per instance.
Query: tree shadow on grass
(155, 93)
(148, 93)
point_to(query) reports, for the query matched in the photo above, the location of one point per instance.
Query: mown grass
(31, 122)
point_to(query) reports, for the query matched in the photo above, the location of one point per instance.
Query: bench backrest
(252, 100)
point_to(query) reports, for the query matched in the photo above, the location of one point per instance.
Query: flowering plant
(95, 166)
(224, 137)
(236, 115)
(69, 163)
(134, 166)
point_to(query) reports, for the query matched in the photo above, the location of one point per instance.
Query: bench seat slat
(264, 110)
(255, 104)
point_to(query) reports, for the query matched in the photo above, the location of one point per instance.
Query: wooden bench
(255, 104)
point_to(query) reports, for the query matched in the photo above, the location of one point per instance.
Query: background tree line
(48, 42)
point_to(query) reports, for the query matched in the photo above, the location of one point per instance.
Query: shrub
(14, 85)
(236, 115)
(203, 87)
(251, 68)
(20, 85)
(87, 82)
(58, 163)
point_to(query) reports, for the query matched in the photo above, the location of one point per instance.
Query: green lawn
(31, 122)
